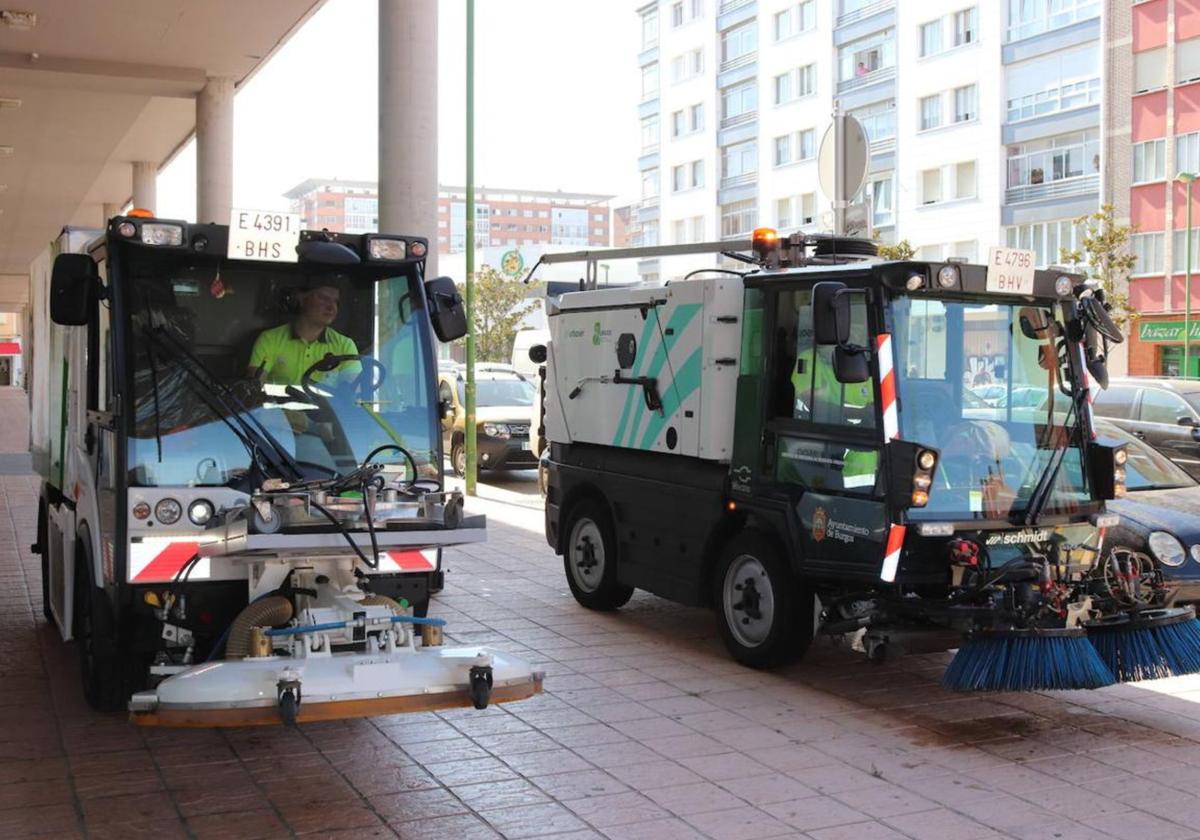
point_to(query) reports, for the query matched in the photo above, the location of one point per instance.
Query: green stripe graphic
(640, 355)
(680, 318)
(687, 380)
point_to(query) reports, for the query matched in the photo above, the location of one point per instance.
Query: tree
(1105, 256)
(900, 251)
(500, 304)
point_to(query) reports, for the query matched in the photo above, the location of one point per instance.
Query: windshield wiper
(221, 400)
(1041, 492)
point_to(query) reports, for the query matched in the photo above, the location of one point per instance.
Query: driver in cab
(282, 355)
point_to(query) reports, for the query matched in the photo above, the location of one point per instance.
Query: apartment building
(1164, 107)
(504, 217)
(984, 119)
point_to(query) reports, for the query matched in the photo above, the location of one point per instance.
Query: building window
(931, 38)
(650, 132)
(687, 176)
(1187, 152)
(964, 104)
(931, 186)
(1047, 240)
(967, 250)
(680, 231)
(964, 179)
(739, 42)
(1187, 61)
(696, 117)
(739, 160)
(650, 82)
(880, 191)
(806, 144)
(931, 111)
(1054, 159)
(1150, 161)
(806, 80)
(1056, 82)
(686, 11)
(783, 150)
(866, 56)
(739, 217)
(687, 66)
(650, 184)
(650, 29)
(1150, 70)
(739, 102)
(878, 120)
(799, 18)
(1147, 249)
(783, 88)
(796, 210)
(1179, 251)
(689, 230)
(966, 25)
(1027, 18)
(650, 233)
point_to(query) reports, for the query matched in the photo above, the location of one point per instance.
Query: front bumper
(513, 453)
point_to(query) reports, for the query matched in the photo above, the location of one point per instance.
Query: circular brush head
(1148, 644)
(1026, 659)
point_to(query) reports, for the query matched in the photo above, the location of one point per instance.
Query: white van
(520, 355)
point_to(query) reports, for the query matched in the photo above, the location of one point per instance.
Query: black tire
(590, 557)
(458, 458)
(100, 668)
(765, 615)
(43, 543)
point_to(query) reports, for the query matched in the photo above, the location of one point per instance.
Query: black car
(1163, 412)
(1160, 514)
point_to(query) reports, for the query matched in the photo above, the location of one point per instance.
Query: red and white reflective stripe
(161, 559)
(891, 556)
(887, 386)
(424, 560)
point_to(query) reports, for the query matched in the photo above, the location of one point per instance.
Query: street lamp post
(1187, 178)
(469, 431)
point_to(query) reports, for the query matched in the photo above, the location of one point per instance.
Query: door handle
(1139, 434)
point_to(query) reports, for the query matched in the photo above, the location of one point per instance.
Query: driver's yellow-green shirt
(284, 356)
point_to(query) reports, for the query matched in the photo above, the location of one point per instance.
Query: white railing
(730, 5)
(1062, 188)
(863, 11)
(739, 119)
(741, 61)
(880, 75)
(739, 180)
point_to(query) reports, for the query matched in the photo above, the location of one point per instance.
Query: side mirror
(1034, 322)
(831, 313)
(445, 409)
(537, 354)
(73, 289)
(1095, 314)
(1190, 422)
(1102, 470)
(850, 365)
(447, 312)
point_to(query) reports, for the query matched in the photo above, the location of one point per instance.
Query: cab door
(822, 448)
(1166, 422)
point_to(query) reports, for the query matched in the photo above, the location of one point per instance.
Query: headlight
(498, 430)
(948, 276)
(386, 249)
(168, 511)
(1063, 285)
(1166, 549)
(926, 459)
(200, 511)
(159, 234)
(1120, 456)
(1196, 553)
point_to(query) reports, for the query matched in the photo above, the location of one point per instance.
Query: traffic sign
(856, 154)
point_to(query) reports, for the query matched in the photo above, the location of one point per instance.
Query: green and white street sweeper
(800, 445)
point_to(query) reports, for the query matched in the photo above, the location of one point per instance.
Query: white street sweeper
(800, 445)
(242, 510)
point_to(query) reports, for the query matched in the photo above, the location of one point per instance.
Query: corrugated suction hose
(269, 612)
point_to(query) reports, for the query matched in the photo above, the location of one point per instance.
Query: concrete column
(110, 210)
(145, 185)
(408, 160)
(214, 151)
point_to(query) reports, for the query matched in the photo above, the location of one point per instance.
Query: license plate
(1010, 271)
(263, 235)
(524, 444)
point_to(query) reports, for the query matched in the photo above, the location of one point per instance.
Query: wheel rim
(460, 461)
(748, 601)
(586, 555)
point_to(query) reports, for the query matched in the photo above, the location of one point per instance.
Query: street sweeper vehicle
(798, 445)
(243, 511)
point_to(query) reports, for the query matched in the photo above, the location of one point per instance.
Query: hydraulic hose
(392, 604)
(268, 612)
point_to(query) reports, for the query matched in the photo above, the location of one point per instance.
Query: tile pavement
(646, 731)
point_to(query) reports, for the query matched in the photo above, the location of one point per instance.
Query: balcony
(739, 119)
(731, 5)
(739, 180)
(862, 12)
(1049, 20)
(1062, 188)
(741, 61)
(883, 74)
(880, 129)
(1064, 98)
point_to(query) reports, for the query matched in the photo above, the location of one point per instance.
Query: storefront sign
(1166, 331)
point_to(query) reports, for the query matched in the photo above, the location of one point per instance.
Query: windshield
(983, 384)
(499, 392)
(230, 356)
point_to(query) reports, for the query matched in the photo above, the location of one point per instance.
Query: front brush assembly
(1148, 644)
(1028, 659)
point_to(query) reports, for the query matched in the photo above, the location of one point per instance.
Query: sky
(556, 94)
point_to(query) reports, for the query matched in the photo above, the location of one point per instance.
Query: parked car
(503, 401)
(1163, 412)
(1160, 514)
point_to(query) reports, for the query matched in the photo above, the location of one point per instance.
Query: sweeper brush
(1026, 660)
(1148, 644)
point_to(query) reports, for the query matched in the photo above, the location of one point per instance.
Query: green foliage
(902, 250)
(1105, 256)
(500, 304)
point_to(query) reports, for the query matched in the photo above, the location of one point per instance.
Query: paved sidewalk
(647, 731)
